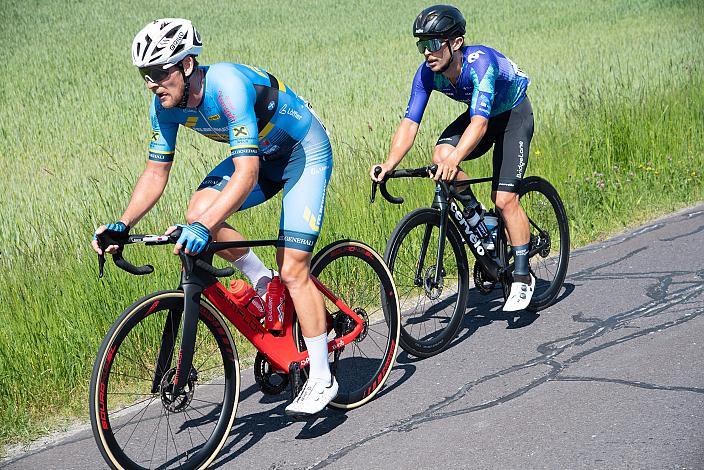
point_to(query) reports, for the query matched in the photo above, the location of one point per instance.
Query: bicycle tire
(546, 212)
(122, 375)
(427, 330)
(358, 275)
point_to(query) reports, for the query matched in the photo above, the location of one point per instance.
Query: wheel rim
(353, 273)
(146, 428)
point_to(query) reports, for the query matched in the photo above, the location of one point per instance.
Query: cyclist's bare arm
(401, 143)
(234, 193)
(147, 191)
(471, 137)
(448, 169)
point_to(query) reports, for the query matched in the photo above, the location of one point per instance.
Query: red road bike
(165, 383)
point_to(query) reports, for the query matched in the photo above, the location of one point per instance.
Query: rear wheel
(358, 276)
(549, 238)
(138, 422)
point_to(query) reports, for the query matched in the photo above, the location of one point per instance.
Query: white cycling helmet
(165, 42)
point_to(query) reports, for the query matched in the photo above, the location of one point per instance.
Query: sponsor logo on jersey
(271, 105)
(270, 149)
(214, 117)
(474, 56)
(291, 112)
(291, 239)
(155, 136)
(240, 130)
(316, 170)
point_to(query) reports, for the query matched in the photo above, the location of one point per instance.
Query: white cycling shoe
(314, 396)
(520, 295)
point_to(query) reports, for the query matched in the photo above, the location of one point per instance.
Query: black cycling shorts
(510, 134)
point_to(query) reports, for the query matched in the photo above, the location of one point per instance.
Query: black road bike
(433, 282)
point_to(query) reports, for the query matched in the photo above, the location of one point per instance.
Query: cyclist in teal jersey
(276, 143)
(499, 114)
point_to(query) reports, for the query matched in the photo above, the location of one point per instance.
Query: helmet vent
(147, 42)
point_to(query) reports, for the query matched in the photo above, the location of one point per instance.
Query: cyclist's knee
(441, 152)
(192, 215)
(506, 202)
(294, 268)
(294, 274)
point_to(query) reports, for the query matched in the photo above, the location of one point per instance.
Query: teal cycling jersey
(244, 106)
(489, 83)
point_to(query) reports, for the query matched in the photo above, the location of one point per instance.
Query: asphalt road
(611, 376)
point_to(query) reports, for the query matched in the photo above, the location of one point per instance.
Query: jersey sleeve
(483, 73)
(420, 93)
(236, 102)
(163, 142)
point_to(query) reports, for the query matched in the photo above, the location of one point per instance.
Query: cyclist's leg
(209, 190)
(306, 177)
(510, 161)
(451, 136)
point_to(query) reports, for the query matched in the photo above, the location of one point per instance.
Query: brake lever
(375, 185)
(101, 265)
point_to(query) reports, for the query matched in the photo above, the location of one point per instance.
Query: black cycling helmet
(439, 21)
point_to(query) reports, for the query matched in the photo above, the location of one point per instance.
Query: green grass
(616, 90)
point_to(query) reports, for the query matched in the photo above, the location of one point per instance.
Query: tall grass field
(617, 87)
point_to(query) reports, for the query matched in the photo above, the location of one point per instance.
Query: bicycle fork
(184, 367)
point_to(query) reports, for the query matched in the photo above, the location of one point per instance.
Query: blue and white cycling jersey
(242, 105)
(258, 115)
(489, 83)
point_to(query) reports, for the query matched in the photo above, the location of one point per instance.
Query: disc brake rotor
(177, 402)
(432, 290)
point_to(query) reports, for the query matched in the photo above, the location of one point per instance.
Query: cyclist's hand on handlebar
(194, 237)
(117, 230)
(447, 170)
(378, 178)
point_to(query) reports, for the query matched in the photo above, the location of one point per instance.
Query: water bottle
(474, 219)
(275, 305)
(492, 224)
(246, 298)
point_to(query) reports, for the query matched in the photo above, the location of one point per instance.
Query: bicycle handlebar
(105, 240)
(422, 172)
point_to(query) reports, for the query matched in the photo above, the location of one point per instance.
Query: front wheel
(433, 298)
(358, 276)
(138, 420)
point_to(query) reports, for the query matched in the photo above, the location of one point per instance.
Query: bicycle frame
(280, 350)
(444, 201)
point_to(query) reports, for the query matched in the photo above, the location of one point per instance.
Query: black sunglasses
(154, 74)
(433, 45)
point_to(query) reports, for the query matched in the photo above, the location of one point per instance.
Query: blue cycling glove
(193, 237)
(118, 228)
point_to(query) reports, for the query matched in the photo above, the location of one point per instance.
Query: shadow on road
(249, 429)
(483, 310)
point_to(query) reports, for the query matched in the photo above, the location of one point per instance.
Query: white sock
(251, 266)
(318, 353)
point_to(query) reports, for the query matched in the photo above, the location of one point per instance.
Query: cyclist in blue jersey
(276, 143)
(499, 114)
